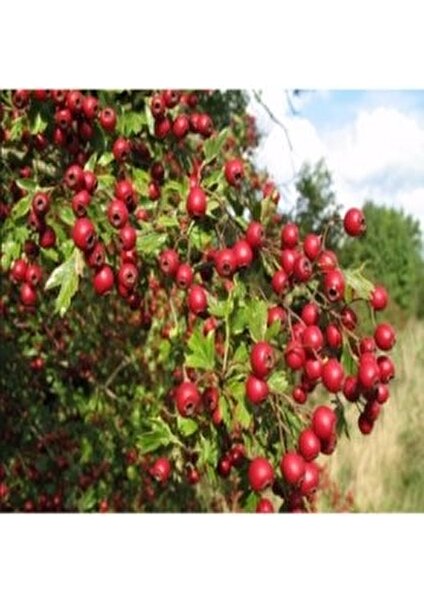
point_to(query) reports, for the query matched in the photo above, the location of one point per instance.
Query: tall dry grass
(385, 471)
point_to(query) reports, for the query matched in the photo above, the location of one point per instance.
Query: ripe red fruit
(169, 262)
(161, 469)
(90, 107)
(63, 118)
(310, 480)
(299, 395)
(237, 454)
(128, 275)
(264, 506)
(354, 222)
(157, 106)
(103, 280)
(33, 275)
(312, 338)
(225, 262)
(351, 388)
(333, 336)
(124, 190)
(262, 359)
(117, 213)
(288, 259)
(80, 202)
(324, 422)
(205, 125)
(181, 126)
(279, 282)
(74, 101)
(193, 475)
(171, 97)
(327, 261)
(257, 389)
(121, 149)
(294, 355)
(333, 375)
(312, 246)
(382, 393)
(379, 298)
(309, 444)
(385, 336)
(289, 235)
(90, 181)
(210, 398)
(74, 178)
(40, 204)
(162, 128)
(21, 98)
(27, 295)
(224, 466)
(83, 234)
(196, 202)
(292, 467)
(107, 119)
(18, 270)
(197, 300)
(260, 474)
(127, 237)
(187, 398)
(276, 313)
(368, 373)
(310, 314)
(234, 171)
(243, 253)
(154, 190)
(313, 368)
(386, 368)
(255, 235)
(334, 285)
(349, 318)
(367, 345)
(372, 410)
(364, 424)
(302, 269)
(97, 256)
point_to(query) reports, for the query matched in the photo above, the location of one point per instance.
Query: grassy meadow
(384, 472)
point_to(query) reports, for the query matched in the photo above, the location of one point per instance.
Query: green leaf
(213, 180)
(28, 185)
(257, 316)
(66, 276)
(242, 415)
(67, 215)
(10, 252)
(87, 501)
(186, 426)
(250, 503)
(21, 208)
(220, 308)
(239, 320)
(237, 390)
(150, 242)
(16, 130)
(90, 165)
(273, 330)
(202, 350)
(225, 410)
(360, 284)
(342, 425)
(168, 221)
(199, 238)
(130, 123)
(39, 124)
(241, 355)
(106, 182)
(141, 180)
(213, 146)
(149, 119)
(277, 382)
(105, 159)
(208, 451)
(160, 435)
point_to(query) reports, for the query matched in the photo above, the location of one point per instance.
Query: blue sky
(372, 141)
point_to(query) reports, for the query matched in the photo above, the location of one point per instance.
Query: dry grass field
(385, 471)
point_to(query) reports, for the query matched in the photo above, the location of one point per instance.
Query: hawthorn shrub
(164, 326)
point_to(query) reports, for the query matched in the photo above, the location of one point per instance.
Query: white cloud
(379, 155)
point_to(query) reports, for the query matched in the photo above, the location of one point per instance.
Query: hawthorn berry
(257, 389)
(292, 467)
(262, 359)
(255, 235)
(309, 444)
(324, 422)
(234, 172)
(354, 222)
(187, 398)
(196, 202)
(264, 506)
(161, 469)
(107, 119)
(103, 280)
(169, 262)
(83, 234)
(260, 474)
(197, 300)
(332, 375)
(385, 336)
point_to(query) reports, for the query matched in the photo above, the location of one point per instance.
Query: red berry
(299, 395)
(309, 444)
(234, 171)
(128, 275)
(121, 149)
(333, 336)
(310, 314)
(27, 295)
(187, 398)
(197, 300)
(117, 213)
(276, 313)
(324, 422)
(334, 285)
(18, 270)
(171, 98)
(264, 506)
(181, 126)
(80, 202)
(127, 237)
(162, 128)
(289, 235)
(224, 466)
(157, 106)
(351, 388)
(90, 181)
(313, 368)
(257, 389)
(312, 338)
(302, 269)
(169, 262)
(288, 259)
(312, 246)
(63, 118)
(97, 256)
(385, 336)
(40, 204)
(108, 119)
(196, 202)
(327, 261)
(225, 262)
(243, 253)
(90, 107)
(379, 298)
(354, 222)
(83, 234)
(255, 235)
(386, 368)
(292, 468)
(364, 424)
(279, 282)
(310, 480)
(103, 280)
(260, 474)
(294, 355)
(205, 125)
(184, 276)
(33, 275)
(74, 101)
(74, 178)
(262, 359)
(161, 469)
(367, 345)
(210, 398)
(333, 375)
